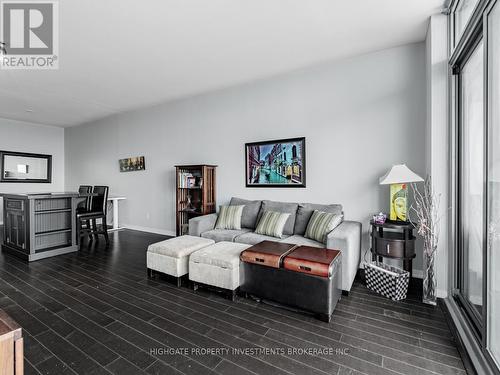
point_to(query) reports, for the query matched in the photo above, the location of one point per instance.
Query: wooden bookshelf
(197, 184)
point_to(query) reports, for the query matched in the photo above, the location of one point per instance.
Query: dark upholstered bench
(297, 287)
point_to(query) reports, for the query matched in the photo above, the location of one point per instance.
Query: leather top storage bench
(311, 260)
(308, 278)
(267, 253)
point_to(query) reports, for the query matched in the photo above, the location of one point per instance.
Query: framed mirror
(25, 167)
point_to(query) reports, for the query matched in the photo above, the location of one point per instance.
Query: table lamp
(398, 177)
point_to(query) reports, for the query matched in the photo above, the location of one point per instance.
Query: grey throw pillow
(306, 210)
(250, 211)
(321, 224)
(272, 223)
(284, 207)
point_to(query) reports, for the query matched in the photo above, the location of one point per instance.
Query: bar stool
(84, 205)
(98, 210)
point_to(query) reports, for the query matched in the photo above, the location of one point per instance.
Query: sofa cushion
(250, 211)
(284, 207)
(179, 247)
(223, 254)
(252, 238)
(219, 235)
(229, 217)
(302, 241)
(305, 211)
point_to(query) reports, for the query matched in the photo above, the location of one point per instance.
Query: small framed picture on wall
(132, 164)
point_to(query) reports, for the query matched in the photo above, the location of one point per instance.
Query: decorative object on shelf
(379, 218)
(426, 209)
(280, 163)
(132, 164)
(391, 282)
(398, 177)
(184, 230)
(188, 181)
(195, 194)
(25, 167)
(189, 204)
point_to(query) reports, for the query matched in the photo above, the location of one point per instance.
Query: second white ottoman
(172, 256)
(217, 265)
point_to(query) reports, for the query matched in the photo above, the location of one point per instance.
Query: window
(471, 188)
(493, 286)
(462, 15)
(475, 63)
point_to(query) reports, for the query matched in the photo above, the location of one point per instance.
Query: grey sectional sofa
(346, 237)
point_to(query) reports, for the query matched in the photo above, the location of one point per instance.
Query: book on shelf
(187, 180)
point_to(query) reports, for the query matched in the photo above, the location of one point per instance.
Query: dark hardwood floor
(96, 312)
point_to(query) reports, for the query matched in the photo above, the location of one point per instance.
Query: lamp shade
(399, 174)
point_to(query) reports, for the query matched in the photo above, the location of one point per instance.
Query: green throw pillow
(229, 217)
(272, 223)
(320, 224)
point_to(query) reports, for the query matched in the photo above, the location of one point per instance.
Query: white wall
(437, 137)
(26, 137)
(359, 116)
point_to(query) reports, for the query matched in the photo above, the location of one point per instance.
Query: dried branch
(426, 210)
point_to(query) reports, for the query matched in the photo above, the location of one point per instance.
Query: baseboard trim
(417, 274)
(441, 293)
(149, 229)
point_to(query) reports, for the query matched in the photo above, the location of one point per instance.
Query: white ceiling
(118, 55)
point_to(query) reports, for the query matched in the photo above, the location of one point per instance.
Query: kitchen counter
(39, 225)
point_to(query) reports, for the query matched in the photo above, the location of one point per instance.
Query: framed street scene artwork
(280, 163)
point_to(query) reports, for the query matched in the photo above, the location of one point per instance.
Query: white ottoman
(172, 256)
(217, 265)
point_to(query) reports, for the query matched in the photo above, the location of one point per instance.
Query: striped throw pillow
(272, 223)
(320, 224)
(229, 217)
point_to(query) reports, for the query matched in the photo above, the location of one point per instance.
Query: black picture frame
(293, 180)
(3, 178)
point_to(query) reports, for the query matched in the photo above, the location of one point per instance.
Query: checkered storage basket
(391, 282)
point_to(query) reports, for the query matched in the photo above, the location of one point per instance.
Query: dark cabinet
(393, 239)
(15, 221)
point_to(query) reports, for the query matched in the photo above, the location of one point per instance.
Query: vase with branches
(427, 219)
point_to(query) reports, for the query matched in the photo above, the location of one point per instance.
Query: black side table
(393, 239)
